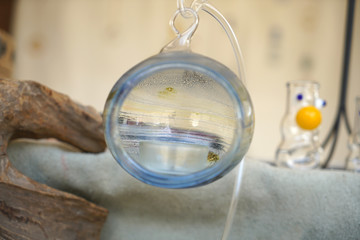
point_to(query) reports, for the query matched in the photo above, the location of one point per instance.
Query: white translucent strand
(231, 35)
(198, 5)
(234, 200)
(180, 5)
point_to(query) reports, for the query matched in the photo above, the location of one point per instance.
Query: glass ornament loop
(190, 31)
(182, 40)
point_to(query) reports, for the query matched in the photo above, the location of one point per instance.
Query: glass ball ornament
(178, 120)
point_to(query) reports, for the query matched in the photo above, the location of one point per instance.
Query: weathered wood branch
(30, 210)
(29, 109)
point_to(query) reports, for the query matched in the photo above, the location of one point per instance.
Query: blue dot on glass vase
(299, 97)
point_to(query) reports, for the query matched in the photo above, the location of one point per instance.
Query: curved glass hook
(198, 5)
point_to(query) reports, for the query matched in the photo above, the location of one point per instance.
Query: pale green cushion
(274, 204)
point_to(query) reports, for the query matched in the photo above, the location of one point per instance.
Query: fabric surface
(274, 203)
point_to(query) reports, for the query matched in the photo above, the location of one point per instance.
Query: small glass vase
(300, 147)
(353, 159)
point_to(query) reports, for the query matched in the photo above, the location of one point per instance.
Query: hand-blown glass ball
(178, 120)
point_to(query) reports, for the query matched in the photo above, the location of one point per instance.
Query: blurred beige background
(81, 48)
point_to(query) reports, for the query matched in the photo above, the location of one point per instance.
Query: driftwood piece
(30, 210)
